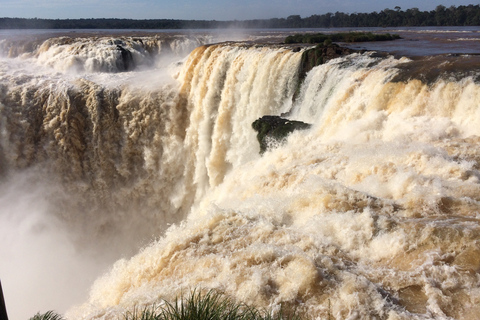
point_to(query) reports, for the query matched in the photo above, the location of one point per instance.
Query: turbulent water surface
(130, 173)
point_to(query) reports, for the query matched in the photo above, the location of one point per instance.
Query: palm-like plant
(210, 306)
(49, 315)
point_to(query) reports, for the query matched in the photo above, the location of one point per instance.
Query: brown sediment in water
(370, 212)
(429, 69)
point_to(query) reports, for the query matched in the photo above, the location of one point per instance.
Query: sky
(204, 9)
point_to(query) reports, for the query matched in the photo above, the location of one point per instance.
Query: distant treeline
(441, 16)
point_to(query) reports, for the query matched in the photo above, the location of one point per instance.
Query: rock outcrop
(321, 54)
(272, 130)
(126, 63)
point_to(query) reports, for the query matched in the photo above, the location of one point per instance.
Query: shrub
(340, 37)
(197, 306)
(49, 315)
(210, 306)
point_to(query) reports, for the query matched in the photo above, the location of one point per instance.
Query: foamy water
(371, 213)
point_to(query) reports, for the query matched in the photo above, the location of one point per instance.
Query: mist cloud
(40, 266)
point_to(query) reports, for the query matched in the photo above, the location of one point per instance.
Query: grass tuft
(196, 306)
(49, 315)
(210, 306)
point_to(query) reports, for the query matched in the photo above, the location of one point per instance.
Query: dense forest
(441, 16)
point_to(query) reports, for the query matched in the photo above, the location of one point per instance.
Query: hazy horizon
(205, 10)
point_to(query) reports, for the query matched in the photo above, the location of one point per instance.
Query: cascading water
(101, 53)
(370, 213)
(84, 154)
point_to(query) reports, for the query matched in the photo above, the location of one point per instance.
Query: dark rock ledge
(320, 55)
(273, 130)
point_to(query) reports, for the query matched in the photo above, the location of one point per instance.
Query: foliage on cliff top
(340, 37)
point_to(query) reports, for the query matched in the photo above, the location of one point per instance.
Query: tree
(440, 15)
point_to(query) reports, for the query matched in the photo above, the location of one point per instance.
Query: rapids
(373, 212)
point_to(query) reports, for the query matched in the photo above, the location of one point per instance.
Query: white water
(373, 212)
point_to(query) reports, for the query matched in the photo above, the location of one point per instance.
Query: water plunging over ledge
(372, 211)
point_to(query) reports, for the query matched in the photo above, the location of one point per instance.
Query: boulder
(273, 130)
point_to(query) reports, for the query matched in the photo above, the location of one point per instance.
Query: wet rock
(3, 309)
(321, 54)
(317, 56)
(272, 130)
(126, 63)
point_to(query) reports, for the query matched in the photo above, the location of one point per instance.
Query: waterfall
(371, 212)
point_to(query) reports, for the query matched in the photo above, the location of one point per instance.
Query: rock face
(126, 63)
(321, 54)
(3, 309)
(273, 130)
(317, 56)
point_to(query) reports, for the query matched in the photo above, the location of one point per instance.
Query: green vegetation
(441, 16)
(49, 315)
(340, 37)
(196, 306)
(209, 306)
